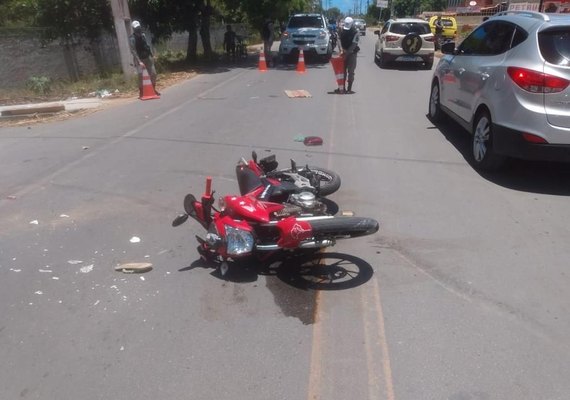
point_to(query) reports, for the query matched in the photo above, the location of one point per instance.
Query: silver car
(360, 24)
(405, 40)
(507, 84)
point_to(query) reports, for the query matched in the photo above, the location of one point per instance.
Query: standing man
(268, 36)
(230, 42)
(438, 32)
(142, 54)
(349, 37)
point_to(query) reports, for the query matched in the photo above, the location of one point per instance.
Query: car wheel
(484, 156)
(434, 111)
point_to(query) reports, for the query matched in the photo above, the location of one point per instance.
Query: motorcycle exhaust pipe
(309, 244)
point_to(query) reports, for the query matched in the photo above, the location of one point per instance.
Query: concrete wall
(23, 55)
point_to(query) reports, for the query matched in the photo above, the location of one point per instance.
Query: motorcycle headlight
(239, 242)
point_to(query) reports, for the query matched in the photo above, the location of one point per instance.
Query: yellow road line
(383, 343)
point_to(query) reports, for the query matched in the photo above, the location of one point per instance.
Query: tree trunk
(191, 55)
(205, 30)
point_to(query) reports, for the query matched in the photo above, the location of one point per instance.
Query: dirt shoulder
(116, 99)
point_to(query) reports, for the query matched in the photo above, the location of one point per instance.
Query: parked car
(507, 84)
(360, 24)
(449, 26)
(406, 40)
(308, 32)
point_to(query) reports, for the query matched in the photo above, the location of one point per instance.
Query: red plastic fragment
(313, 141)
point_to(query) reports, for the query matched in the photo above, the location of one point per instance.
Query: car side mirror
(377, 32)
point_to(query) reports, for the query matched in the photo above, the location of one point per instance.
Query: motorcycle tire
(329, 180)
(344, 227)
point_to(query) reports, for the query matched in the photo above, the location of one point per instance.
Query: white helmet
(348, 21)
(136, 24)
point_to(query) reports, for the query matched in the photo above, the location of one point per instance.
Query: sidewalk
(71, 105)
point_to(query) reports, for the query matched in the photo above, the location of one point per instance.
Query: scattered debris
(64, 216)
(34, 222)
(142, 278)
(299, 138)
(55, 278)
(74, 262)
(15, 270)
(11, 197)
(135, 239)
(49, 271)
(87, 269)
(313, 141)
(347, 213)
(131, 268)
(97, 302)
(299, 94)
(85, 147)
(39, 292)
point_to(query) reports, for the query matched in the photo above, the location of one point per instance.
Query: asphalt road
(461, 295)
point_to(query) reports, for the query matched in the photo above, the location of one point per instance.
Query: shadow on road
(314, 271)
(525, 176)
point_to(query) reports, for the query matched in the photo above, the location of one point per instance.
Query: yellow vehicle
(449, 26)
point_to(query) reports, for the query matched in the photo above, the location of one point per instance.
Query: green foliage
(65, 19)
(40, 85)
(17, 12)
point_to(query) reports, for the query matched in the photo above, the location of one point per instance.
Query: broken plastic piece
(299, 138)
(313, 141)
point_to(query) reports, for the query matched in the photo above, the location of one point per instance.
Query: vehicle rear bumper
(510, 142)
(399, 55)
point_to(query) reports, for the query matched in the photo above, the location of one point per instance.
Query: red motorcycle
(247, 225)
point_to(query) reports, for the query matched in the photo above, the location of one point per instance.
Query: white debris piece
(74, 262)
(135, 239)
(87, 269)
(34, 222)
(39, 292)
(142, 278)
(64, 216)
(45, 270)
(15, 270)
(55, 278)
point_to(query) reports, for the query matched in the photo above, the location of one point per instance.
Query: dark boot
(349, 89)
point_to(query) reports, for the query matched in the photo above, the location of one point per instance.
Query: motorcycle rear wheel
(329, 180)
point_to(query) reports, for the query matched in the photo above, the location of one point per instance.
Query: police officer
(349, 37)
(142, 53)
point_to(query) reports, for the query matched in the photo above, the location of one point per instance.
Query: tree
(17, 12)
(333, 13)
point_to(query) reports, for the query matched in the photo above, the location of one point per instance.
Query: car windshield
(403, 28)
(306, 21)
(359, 21)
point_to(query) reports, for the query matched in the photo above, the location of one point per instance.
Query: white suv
(308, 32)
(508, 85)
(406, 40)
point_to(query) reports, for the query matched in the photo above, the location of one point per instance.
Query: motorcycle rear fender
(293, 232)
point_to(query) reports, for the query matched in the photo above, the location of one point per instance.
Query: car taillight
(392, 38)
(429, 39)
(537, 82)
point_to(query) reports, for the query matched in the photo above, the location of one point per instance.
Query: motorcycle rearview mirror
(293, 166)
(179, 220)
(254, 156)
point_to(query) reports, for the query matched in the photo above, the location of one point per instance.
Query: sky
(346, 6)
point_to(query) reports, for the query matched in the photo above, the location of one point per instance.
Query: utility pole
(122, 19)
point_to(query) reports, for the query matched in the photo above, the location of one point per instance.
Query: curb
(23, 110)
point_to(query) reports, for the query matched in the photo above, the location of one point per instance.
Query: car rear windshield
(306, 22)
(447, 22)
(555, 46)
(403, 28)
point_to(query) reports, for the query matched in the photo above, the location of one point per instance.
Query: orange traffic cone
(338, 68)
(148, 92)
(262, 64)
(301, 63)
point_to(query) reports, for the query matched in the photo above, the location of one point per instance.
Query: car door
(477, 66)
(380, 43)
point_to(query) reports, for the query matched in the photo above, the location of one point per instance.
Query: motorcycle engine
(306, 200)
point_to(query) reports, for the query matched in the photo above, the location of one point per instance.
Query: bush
(39, 84)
